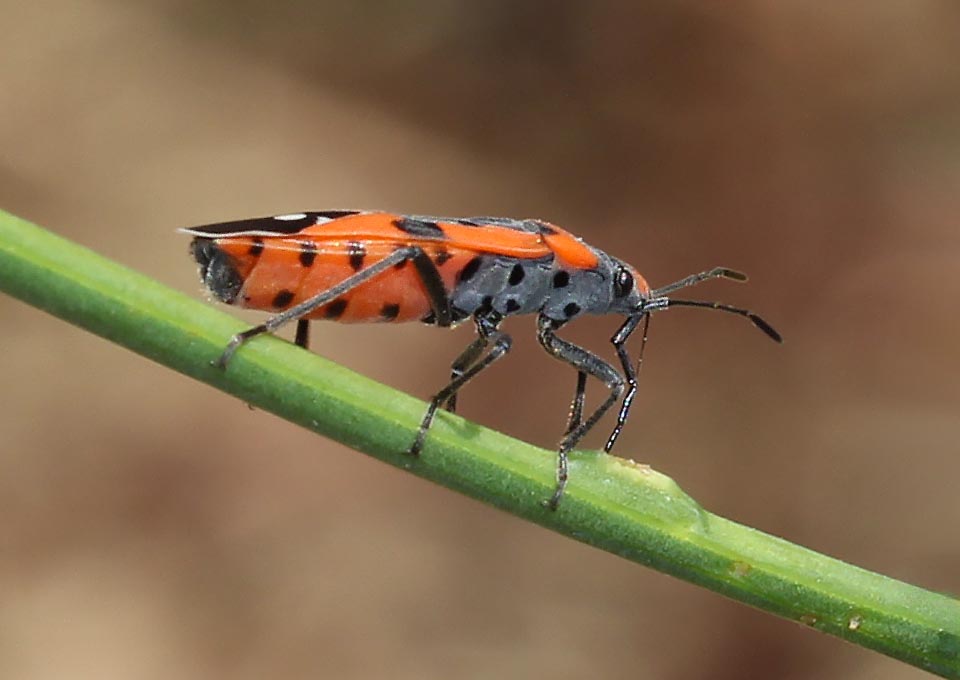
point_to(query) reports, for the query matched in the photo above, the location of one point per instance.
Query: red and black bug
(354, 266)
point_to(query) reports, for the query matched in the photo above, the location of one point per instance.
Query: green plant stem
(611, 503)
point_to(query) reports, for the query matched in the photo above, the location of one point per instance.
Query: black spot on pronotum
(516, 274)
(282, 299)
(389, 311)
(335, 309)
(442, 257)
(561, 279)
(420, 228)
(486, 305)
(470, 270)
(572, 309)
(308, 253)
(356, 252)
(512, 306)
(256, 247)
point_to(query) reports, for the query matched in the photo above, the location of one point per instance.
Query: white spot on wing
(291, 217)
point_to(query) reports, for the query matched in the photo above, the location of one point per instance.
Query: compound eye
(622, 283)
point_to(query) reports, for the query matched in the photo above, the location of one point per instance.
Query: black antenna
(657, 298)
(658, 303)
(693, 279)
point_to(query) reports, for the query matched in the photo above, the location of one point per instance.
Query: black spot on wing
(389, 311)
(256, 247)
(419, 227)
(308, 253)
(282, 299)
(441, 257)
(335, 309)
(356, 252)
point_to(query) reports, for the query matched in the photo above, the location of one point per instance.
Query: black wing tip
(274, 225)
(282, 224)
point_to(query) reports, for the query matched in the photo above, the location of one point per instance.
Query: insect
(356, 266)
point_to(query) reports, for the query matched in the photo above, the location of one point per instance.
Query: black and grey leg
(486, 325)
(590, 364)
(575, 415)
(619, 341)
(499, 343)
(302, 338)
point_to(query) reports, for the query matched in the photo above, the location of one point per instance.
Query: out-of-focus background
(153, 527)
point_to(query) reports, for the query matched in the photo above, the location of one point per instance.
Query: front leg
(585, 362)
(575, 416)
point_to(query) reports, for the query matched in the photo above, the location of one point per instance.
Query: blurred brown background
(152, 527)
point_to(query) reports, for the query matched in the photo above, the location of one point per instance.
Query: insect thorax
(511, 286)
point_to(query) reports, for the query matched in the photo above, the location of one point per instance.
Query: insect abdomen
(273, 274)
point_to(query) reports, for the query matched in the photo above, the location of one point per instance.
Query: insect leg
(586, 362)
(303, 333)
(576, 406)
(501, 345)
(619, 340)
(433, 285)
(307, 306)
(466, 359)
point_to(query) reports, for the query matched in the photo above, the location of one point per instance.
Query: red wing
(524, 239)
(400, 230)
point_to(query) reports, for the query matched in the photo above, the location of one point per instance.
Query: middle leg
(500, 342)
(486, 326)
